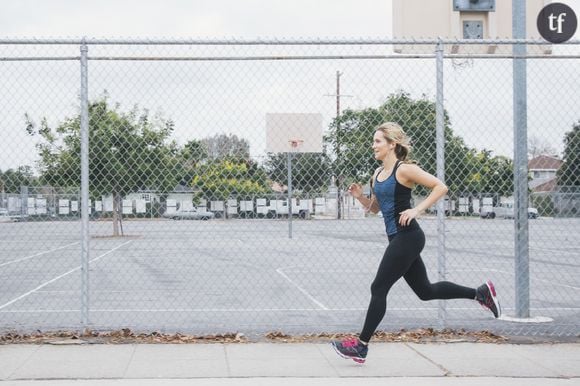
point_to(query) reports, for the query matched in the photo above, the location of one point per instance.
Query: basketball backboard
(293, 133)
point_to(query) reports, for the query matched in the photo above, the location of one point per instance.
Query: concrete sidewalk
(289, 364)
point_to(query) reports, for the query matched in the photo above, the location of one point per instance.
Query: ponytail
(402, 152)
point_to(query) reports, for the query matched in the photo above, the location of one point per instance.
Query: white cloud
(27, 91)
(181, 18)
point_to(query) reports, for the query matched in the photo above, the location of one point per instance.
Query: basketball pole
(289, 194)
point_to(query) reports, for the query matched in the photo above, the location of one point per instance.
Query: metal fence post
(521, 232)
(84, 187)
(440, 134)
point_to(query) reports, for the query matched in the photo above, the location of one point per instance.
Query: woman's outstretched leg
(418, 280)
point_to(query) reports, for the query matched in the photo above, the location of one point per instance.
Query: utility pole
(339, 176)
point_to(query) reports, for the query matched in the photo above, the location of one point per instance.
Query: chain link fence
(187, 222)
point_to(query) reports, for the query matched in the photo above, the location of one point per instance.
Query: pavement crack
(227, 359)
(446, 372)
(320, 348)
(13, 374)
(126, 370)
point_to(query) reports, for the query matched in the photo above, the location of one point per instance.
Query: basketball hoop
(295, 144)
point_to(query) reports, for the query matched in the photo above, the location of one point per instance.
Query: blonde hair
(394, 133)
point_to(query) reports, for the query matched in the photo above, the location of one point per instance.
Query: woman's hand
(355, 190)
(408, 215)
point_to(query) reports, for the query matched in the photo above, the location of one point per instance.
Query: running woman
(391, 187)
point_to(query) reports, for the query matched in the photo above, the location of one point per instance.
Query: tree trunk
(116, 213)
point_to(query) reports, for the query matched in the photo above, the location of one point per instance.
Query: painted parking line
(319, 304)
(37, 254)
(60, 277)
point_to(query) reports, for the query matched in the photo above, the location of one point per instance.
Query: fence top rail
(235, 41)
(278, 58)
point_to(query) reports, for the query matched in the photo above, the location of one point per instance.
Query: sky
(201, 18)
(196, 18)
(231, 19)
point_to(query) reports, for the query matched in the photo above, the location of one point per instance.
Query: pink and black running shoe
(351, 348)
(486, 296)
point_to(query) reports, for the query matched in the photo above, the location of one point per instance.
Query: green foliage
(197, 153)
(569, 174)
(466, 169)
(194, 152)
(350, 139)
(12, 179)
(226, 178)
(310, 171)
(128, 151)
(484, 173)
(544, 204)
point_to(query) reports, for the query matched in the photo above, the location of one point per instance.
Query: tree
(223, 146)
(228, 178)
(128, 152)
(489, 174)
(538, 146)
(193, 154)
(12, 179)
(569, 173)
(352, 135)
(220, 167)
(310, 171)
(498, 176)
(465, 169)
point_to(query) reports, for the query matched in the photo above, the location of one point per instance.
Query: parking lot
(249, 276)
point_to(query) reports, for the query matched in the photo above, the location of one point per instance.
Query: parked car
(190, 214)
(4, 217)
(505, 210)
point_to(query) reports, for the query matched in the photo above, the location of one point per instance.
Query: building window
(474, 5)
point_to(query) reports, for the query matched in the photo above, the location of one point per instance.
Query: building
(542, 171)
(550, 198)
(462, 19)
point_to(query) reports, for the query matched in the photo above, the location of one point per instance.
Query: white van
(505, 210)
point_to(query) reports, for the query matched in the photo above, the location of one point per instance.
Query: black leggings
(402, 259)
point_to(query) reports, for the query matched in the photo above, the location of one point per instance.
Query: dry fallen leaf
(125, 335)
